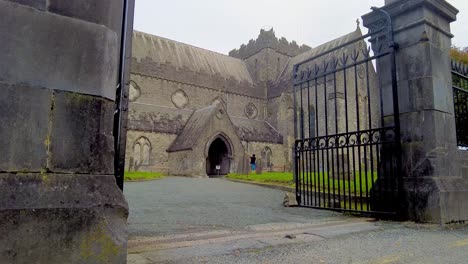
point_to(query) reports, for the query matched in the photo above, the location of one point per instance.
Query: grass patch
(320, 181)
(356, 185)
(279, 178)
(142, 176)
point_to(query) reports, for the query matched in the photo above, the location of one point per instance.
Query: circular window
(180, 99)
(251, 110)
(220, 113)
(134, 92)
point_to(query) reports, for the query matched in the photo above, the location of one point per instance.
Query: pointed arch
(219, 153)
(142, 151)
(267, 155)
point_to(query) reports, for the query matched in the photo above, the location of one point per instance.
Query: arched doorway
(218, 161)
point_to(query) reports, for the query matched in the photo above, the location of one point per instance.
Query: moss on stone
(99, 247)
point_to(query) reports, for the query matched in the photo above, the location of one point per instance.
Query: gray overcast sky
(222, 25)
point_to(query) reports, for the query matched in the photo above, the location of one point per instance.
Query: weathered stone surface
(51, 218)
(81, 139)
(437, 200)
(39, 4)
(105, 12)
(50, 123)
(24, 127)
(85, 61)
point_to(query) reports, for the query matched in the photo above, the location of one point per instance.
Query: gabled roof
(246, 129)
(284, 81)
(194, 127)
(182, 55)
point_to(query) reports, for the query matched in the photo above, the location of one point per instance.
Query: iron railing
(347, 128)
(460, 100)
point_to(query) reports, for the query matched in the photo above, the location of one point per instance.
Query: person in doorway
(253, 164)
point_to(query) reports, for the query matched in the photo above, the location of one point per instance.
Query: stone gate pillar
(59, 202)
(434, 188)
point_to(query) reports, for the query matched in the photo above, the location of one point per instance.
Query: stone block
(415, 62)
(421, 93)
(437, 200)
(24, 120)
(39, 4)
(81, 138)
(46, 50)
(104, 12)
(50, 218)
(428, 141)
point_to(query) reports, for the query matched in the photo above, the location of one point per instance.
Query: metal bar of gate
(120, 116)
(345, 164)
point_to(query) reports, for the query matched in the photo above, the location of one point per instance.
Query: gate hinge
(394, 45)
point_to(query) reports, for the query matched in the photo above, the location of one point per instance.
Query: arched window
(142, 151)
(266, 158)
(146, 154)
(137, 153)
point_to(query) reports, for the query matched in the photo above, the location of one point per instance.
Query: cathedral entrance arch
(218, 160)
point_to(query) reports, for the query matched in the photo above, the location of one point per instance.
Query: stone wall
(279, 161)
(186, 163)
(266, 66)
(59, 202)
(158, 158)
(159, 110)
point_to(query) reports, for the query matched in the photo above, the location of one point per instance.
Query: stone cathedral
(195, 112)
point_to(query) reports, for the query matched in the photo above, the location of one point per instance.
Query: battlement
(268, 39)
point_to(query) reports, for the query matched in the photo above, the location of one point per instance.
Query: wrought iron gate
(347, 148)
(460, 100)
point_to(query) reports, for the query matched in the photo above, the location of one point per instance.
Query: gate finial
(358, 22)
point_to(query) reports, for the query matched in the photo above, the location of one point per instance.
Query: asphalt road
(182, 205)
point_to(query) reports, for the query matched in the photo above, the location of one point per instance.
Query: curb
(143, 180)
(266, 185)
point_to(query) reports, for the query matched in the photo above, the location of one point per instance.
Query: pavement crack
(312, 234)
(262, 242)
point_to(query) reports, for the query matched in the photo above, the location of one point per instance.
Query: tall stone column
(59, 202)
(434, 188)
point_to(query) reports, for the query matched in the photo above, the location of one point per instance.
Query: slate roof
(284, 81)
(194, 127)
(256, 130)
(183, 55)
(163, 58)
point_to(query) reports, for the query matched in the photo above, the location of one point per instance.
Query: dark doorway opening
(218, 161)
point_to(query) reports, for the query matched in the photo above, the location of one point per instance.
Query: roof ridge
(358, 30)
(186, 44)
(314, 49)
